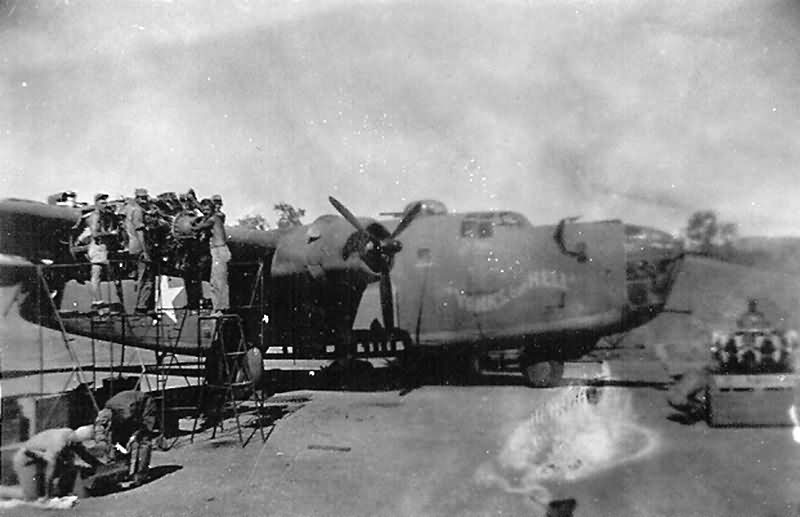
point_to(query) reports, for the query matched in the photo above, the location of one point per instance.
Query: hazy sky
(639, 110)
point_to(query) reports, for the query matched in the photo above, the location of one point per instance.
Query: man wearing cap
(102, 229)
(220, 255)
(138, 251)
(48, 463)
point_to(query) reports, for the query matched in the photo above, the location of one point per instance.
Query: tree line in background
(708, 236)
(288, 216)
(705, 235)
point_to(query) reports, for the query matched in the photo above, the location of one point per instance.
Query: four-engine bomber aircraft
(489, 284)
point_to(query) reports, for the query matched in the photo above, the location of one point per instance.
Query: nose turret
(653, 259)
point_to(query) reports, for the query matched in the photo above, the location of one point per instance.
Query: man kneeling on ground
(688, 395)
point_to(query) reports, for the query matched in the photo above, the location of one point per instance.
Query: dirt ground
(472, 450)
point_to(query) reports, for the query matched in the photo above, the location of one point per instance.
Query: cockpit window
(481, 225)
(476, 229)
(511, 219)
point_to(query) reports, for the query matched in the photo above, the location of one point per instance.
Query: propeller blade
(407, 219)
(387, 302)
(346, 213)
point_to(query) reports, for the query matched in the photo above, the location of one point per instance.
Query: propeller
(378, 251)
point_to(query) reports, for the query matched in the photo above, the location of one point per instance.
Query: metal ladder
(169, 365)
(233, 385)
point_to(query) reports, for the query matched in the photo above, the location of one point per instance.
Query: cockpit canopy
(637, 238)
(481, 225)
(428, 207)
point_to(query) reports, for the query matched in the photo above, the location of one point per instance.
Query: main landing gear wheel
(543, 374)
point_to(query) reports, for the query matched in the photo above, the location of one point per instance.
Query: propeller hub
(391, 246)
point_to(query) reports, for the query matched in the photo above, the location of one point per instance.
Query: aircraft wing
(41, 232)
(249, 244)
(314, 275)
(36, 231)
(14, 261)
(33, 233)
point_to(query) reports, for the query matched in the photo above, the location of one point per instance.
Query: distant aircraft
(488, 285)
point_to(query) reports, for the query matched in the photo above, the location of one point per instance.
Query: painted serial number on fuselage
(487, 302)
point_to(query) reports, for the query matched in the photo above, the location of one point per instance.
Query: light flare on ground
(581, 431)
(795, 422)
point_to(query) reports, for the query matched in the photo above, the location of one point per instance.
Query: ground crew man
(753, 318)
(49, 462)
(191, 256)
(217, 200)
(124, 414)
(102, 229)
(124, 428)
(138, 251)
(220, 256)
(688, 395)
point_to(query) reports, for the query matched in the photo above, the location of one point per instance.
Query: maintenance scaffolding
(181, 339)
(176, 377)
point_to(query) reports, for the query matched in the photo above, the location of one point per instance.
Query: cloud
(610, 109)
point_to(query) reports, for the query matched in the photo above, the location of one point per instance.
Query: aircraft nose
(653, 260)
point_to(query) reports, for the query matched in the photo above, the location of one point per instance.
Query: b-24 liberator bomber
(488, 285)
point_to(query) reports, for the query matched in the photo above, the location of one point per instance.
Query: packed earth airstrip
(604, 443)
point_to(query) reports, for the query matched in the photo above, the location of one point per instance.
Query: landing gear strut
(543, 374)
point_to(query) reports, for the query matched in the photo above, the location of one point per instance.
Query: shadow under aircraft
(489, 286)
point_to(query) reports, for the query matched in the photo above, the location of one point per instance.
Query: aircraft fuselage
(480, 280)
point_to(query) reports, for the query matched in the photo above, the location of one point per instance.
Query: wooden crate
(751, 400)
